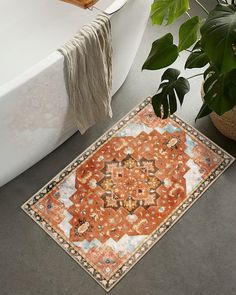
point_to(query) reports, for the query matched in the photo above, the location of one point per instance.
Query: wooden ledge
(81, 3)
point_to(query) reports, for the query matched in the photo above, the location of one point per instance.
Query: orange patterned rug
(117, 199)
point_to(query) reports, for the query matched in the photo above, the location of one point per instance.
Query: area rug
(118, 198)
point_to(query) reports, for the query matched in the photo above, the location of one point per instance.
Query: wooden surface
(81, 3)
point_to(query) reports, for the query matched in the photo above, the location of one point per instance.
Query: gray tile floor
(196, 257)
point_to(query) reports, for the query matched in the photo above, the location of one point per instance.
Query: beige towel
(88, 72)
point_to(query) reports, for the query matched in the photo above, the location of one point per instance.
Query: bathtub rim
(30, 73)
(42, 64)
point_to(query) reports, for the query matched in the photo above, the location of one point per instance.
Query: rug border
(70, 168)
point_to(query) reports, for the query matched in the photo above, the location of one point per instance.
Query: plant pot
(226, 123)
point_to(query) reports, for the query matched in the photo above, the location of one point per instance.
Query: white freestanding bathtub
(35, 116)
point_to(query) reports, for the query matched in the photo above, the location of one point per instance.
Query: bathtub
(35, 116)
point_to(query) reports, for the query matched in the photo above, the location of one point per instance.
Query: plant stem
(207, 12)
(195, 76)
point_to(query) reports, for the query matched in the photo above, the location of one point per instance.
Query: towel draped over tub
(88, 72)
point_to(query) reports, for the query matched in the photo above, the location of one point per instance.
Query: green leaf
(230, 85)
(170, 75)
(204, 111)
(220, 91)
(172, 88)
(182, 88)
(167, 11)
(211, 69)
(209, 81)
(156, 103)
(172, 102)
(162, 54)
(218, 36)
(197, 59)
(188, 33)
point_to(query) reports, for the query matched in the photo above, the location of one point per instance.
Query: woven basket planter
(226, 123)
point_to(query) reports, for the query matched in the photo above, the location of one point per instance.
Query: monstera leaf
(220, 91)
(204, 111)
(188, 33)
(172, 88)
(219, 35)
(197, 59)
(167, 11)
(163, 53)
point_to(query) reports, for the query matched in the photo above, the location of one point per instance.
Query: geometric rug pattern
(117, 199)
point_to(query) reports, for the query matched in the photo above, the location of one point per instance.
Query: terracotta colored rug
(118, 198)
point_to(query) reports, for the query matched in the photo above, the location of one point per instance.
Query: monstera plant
(211, 44)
